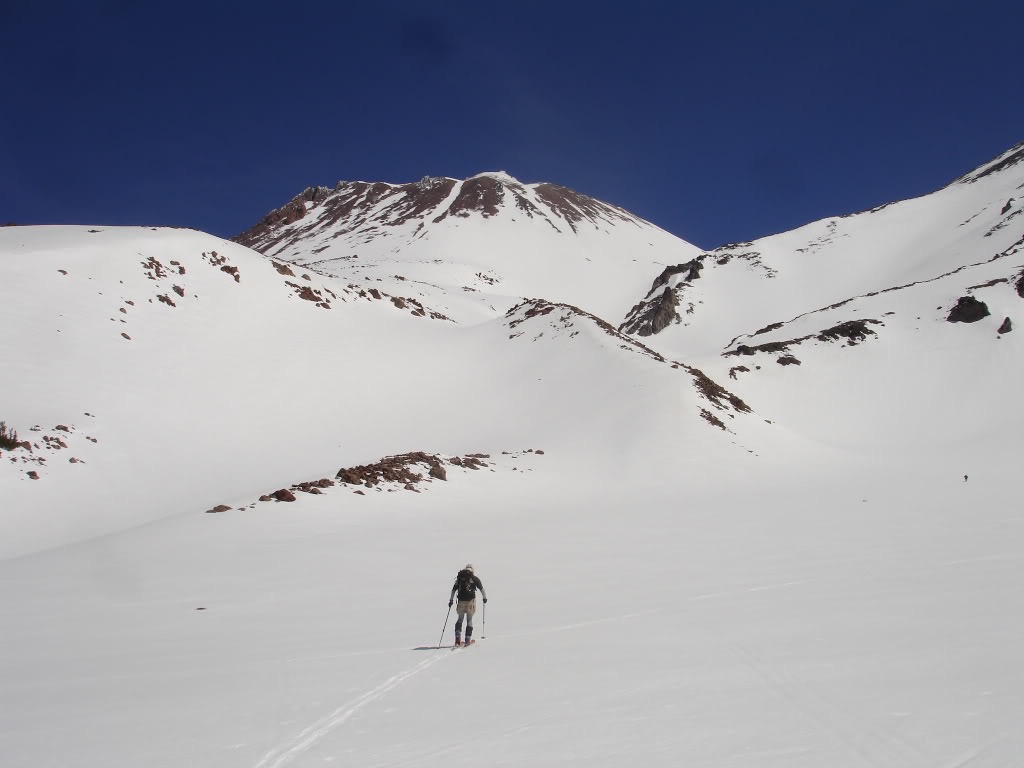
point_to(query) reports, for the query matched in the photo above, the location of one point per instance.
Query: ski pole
(483, 634)
(447, 616)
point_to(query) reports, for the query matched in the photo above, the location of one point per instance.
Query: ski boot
(458, 641)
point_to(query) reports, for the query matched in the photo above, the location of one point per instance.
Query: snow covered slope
(699, 307)
(472, 248)
(178, 370)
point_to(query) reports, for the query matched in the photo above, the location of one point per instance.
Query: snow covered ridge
(537, 319)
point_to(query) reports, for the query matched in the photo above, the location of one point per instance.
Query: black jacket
(468, 588)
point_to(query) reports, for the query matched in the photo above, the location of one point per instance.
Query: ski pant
(465, 610)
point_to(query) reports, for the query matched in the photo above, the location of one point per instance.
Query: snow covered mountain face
(787, 468)
(905, 314)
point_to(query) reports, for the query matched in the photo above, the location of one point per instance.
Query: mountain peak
(499, 176)
(375, 207)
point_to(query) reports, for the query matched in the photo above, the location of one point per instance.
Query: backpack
(466, 584)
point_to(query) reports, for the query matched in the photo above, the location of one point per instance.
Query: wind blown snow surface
(815, 575)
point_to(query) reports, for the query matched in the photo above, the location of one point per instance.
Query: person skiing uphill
(466, 585)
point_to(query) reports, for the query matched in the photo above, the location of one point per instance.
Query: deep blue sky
(719, 121)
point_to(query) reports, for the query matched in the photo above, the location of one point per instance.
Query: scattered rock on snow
(283, 495)
(1006, 327)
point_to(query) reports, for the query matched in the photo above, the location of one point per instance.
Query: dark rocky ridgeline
(1020, 285)
(968, 310)
(655, 313)
(854, 331)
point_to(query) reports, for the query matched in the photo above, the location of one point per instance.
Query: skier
(466, 585)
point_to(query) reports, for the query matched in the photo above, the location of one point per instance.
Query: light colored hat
(469, 567)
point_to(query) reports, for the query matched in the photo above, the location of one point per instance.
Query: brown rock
(218, 508)
(264, 497)
(438, 472)
(349, 476)
(283, 495)
(33, 474)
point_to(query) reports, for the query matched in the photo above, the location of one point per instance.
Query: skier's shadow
(431, 647)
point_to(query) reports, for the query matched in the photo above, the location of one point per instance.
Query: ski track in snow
(285, 753)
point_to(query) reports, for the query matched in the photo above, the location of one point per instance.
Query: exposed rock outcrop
(968, 310)
(659, 310)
